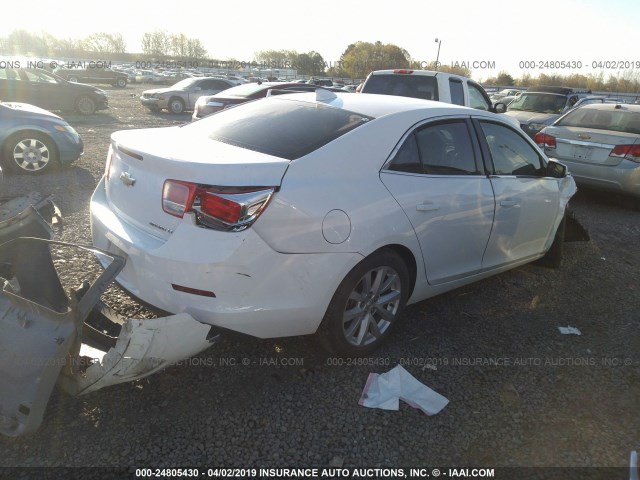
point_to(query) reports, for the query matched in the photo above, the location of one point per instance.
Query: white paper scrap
(385, 390)
(569, 330)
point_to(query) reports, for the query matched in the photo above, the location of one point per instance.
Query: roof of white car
(376, 106)
(612, 106)
(424, 73)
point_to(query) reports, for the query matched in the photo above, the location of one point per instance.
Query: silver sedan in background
(600, 144)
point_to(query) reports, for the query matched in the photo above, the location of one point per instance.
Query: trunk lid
(586, 145)
(143, 159)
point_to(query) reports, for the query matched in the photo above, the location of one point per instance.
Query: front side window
(511, 154)
(476, 99)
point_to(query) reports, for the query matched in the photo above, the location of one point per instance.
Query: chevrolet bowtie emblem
(127, 179)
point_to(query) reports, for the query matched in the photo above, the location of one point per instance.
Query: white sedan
(325, 213)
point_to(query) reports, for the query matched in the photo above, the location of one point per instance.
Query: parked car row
(94, 75)
(535, 110)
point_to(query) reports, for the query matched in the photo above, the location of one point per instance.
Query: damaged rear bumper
(46, 336)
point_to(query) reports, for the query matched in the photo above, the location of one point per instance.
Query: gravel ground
(554, 400)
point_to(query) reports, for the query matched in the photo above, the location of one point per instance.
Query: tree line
(357, 60)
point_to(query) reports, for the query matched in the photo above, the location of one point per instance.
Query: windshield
(277, 126)
(539, 102)
(599, 119)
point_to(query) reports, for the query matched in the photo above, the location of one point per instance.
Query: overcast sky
(504, 33)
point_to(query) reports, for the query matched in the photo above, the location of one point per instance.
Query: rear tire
(73, 79)
(30, 153)
(121, 83)
(367, 305)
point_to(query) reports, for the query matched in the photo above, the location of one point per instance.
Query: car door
(437, 177)
(46, 92)
(527, 201)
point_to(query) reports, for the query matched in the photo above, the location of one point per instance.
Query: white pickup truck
(440, 86)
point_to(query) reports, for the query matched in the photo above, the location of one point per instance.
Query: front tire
(86, 106)
(121, 83)
(367, 305)
(73, 79)
(30, 153)
(176, 105)
(553, 257)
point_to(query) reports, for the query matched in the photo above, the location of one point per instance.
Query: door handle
(427, 207)
(509, 202)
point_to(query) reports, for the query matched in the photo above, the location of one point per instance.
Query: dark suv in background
(539, 107)
(94, 75)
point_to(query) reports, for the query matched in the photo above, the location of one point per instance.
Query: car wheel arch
(408, 258)
(24, 132)
(178, 99)
(328, 331)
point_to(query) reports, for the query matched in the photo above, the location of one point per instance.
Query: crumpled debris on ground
(384, 391)
(569, 330)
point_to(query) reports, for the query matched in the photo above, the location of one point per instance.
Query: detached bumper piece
(30, 216)
(44, 338)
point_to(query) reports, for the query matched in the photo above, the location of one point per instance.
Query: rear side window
(615, 120)
(511, 154)
(437, 149)
(417, 86)
(278, 126)
(457, 92)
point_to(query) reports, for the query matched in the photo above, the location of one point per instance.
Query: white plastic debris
(569, 330)
(385, 391)
(633, 465)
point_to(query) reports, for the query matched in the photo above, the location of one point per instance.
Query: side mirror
(500, 108)
(556, 169)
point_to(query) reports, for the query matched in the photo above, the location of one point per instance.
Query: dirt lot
(521, 394)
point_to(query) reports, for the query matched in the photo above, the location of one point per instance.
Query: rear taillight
(107, 168)
(403, 72)
(545, 140)
(628, 152)
(220, 208)
(177, 197)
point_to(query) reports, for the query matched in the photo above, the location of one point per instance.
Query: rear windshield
(281, 127)
(597, 119)
(539, 102)
(416, 86)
